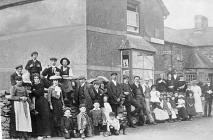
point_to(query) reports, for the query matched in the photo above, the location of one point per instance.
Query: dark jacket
(67, 123)
(98, 117)
(161, 86)
(207, 95)
(49, 72)
(12, 78)
(128, 98)
(35, 68)
(114, 92)
(134, 90)
(99, 96)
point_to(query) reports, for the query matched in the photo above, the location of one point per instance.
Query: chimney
(201, 23)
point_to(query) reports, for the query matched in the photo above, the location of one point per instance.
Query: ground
(198, 129)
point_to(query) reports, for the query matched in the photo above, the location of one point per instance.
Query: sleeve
(199, 91)
(62, 125)
(27, 67)
(91, 93)
(110, 93)
(45, 72)
(12, 80)
(103, 117)
(13, 94)
(49, 95)
(40, 68)
(70, 72)
(79, 122)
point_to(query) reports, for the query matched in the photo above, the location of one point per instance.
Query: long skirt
(198, 103)
(43, 117)
(160, 115)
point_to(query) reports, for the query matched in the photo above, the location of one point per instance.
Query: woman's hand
(51, 107)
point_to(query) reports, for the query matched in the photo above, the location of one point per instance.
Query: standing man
(114, 91)
(52, 70)
(18, 72)
(129, 100)
(138, 93)
(33, 66)
(208, 95)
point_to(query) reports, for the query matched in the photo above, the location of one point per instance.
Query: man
(181, 85)
(18, 72)
(114, 91)
(99, 93)
(52, 70)
(86, 94)
(208, 95)
(129, 100)
(33, 66)
(138, 93)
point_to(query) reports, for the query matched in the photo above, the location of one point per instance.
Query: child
(98, 118)
(166, 107)
(67, 124)
(84, 125)
(173, 105)
(107, 107)
(155, 95)
(173, 113)
(181, 108)
(190, 102)
(123, 121)
(113, 125)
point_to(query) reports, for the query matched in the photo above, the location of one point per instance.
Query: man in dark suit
(99, 93)
(140, 97)
(52, 70)
(208, 95)
(114, 91)
(33, 66)
(18, 72)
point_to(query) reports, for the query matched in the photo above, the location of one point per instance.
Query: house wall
(51, 27)
(106, 28)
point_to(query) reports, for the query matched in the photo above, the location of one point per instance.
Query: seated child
(173, 105)
(155, 96)
(182, 113)
(171, 109)
(123, 121)
(67, 124)
(113, 125)
(84, 123)
(190, 105)
(107, 107)
(98, 118)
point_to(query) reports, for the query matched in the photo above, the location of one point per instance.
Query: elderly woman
(56, 103)
(20, 123)
(42, 107)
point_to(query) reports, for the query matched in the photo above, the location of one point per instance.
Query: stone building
(191, 50)
(98, 36)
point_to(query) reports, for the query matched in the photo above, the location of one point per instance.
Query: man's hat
(114, 73)
(82, 105)
(125, 77)
(68, 61)
(53, 59)
(34, 53)
(55, 77)
(19, 66)
(81, 78)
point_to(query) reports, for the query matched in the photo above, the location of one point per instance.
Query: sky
(182, 12)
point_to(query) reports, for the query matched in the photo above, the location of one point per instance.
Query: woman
(56, 102)
(20, 123)
(170, 83)
(42, 107)
(197, 96)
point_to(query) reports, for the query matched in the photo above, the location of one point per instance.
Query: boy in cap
(33, 66)
(18, 72)
(52, 70)
(98, 118)
(84, 123)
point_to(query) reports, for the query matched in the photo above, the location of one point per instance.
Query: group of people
(53, 102)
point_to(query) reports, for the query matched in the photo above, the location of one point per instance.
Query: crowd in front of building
(54, 103)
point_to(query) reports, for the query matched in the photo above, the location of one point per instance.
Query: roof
(198, 61)
(189, 37)
(139, 43)
(165, 10)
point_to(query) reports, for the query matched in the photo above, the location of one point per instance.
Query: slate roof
(139, 43)
(189, 37)
(198, 61)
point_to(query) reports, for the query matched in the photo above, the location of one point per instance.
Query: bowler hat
(53, 59)
(34, 53)
(68, 61)
(19, 66)
(125, 77)
(114, 73)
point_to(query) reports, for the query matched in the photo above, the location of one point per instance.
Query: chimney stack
(201, 23)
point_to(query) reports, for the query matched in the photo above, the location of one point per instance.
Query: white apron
(198, 103)
(23, 122)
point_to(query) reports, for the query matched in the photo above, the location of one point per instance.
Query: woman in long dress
(20, 124)
(42, 106)
(197, 96)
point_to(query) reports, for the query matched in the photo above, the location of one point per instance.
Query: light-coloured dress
(107, 110)
(198, 103)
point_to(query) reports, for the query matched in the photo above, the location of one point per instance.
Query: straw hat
(55, 77)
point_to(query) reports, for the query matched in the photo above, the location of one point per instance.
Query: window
(191, 76)
(133, 18)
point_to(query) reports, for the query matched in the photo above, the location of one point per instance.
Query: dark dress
(190, 102)
(161, 86)
(42, 106)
